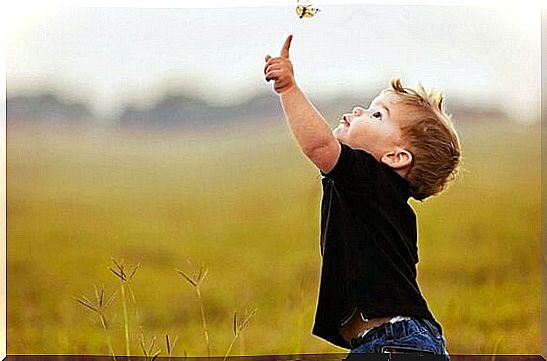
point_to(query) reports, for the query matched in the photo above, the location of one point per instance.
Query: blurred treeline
(180, 109)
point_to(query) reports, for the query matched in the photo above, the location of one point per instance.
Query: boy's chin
(338, 134)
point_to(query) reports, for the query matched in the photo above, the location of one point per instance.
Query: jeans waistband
(434, 330)
(391, 329)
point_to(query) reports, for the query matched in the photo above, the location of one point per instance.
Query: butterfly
(305, 11)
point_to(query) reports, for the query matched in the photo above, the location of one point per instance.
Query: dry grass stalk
(237, 328)
(496, 348)
(149, 352)
(170, 345)
(99, 308)
(197, 278)
(125, 278)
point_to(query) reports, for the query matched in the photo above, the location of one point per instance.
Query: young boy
(403, 145)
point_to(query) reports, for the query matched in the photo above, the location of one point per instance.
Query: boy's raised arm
(308, 126)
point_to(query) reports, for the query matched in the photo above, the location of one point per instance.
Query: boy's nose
(357, 111)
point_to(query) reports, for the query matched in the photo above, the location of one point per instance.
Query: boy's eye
(377, 115)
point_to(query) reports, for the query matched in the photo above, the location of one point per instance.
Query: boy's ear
(398, 158)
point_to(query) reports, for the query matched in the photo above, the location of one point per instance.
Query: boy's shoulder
(352, 164)
(357, 168)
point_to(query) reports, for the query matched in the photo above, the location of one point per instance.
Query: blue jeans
(415, 336)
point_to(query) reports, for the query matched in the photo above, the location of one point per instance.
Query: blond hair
(431, 138)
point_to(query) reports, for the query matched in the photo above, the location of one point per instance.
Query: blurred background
(149, 136)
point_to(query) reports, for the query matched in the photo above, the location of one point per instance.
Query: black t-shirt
(368, 246)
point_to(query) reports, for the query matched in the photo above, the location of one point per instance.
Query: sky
(111, 57)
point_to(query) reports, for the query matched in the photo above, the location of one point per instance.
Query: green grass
(246, 204)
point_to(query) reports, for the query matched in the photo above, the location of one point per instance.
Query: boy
(403, 145)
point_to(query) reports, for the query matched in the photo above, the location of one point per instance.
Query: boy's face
(375, 130)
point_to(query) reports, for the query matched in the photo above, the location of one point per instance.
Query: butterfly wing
(300, 11)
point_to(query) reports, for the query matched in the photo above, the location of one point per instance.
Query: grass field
(246, 205)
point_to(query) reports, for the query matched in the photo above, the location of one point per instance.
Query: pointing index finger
(286, 46)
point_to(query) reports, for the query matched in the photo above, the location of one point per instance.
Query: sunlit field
(244, 203)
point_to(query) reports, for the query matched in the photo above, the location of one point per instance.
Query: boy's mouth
(344, 121)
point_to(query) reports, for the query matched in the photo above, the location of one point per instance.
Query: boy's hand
(280, 69)
(308, 126)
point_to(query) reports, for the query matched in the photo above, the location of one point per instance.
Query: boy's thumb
(268, 57)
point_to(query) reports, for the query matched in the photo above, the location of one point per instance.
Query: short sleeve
(354, 165)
